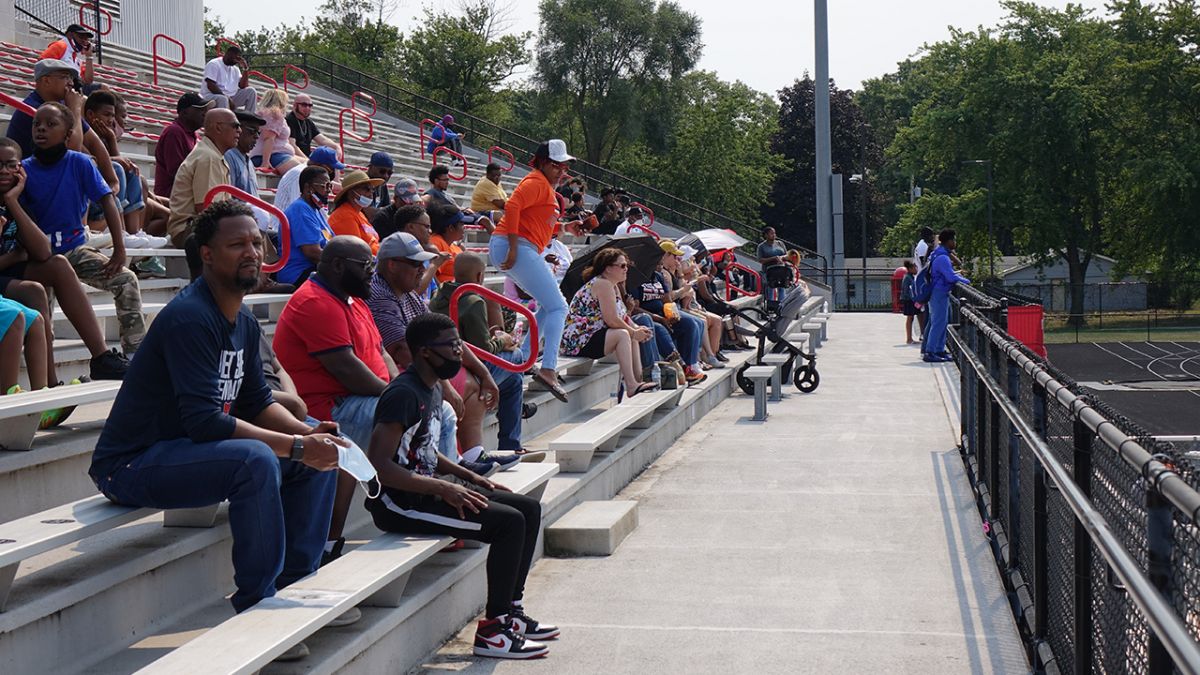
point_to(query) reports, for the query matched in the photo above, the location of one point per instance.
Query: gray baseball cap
(406, 189)
(403, 245)
(48, 66)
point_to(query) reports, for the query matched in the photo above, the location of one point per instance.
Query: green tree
(719, 154)
(462, 58)
(214, 27)
(607, 61)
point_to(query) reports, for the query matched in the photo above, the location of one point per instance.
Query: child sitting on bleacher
(404, 451)
(60, 184)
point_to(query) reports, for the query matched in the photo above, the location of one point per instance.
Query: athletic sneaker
(503, 461)
(154, 266)
(528, 409)
(111, 365)
(528, 627)
(334, 552)
(53, 418)
(495, 638)
(99, 239)
(484, 469)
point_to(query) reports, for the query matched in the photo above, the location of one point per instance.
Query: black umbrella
(642, 250)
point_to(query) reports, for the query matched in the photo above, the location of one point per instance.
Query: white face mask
(354, 461)
(364, 201)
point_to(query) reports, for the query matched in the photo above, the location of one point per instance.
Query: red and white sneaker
(495, 638)
(527, 626)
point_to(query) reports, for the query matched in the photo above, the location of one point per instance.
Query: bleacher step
(593, 528)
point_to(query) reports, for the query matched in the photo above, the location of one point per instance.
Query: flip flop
(645, 386)
(552, 386)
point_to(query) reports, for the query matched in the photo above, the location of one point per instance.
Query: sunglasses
(304, 105)
(368, 264)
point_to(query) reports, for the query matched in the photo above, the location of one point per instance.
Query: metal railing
(485, 355)
(56, 15)
(1091, 521)
(410, 105)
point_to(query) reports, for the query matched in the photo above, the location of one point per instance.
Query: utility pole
(824, 159)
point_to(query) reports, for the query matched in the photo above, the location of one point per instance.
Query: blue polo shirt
(308, 226)
(57, 196)
(20, 126)
(193, 375)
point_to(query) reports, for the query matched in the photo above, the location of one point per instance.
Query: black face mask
(447, 369)
(50, 155)
(356, 286)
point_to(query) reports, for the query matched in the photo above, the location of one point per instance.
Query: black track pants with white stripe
(510, 523)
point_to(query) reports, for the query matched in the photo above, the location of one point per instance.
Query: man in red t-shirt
(327, 341)
(176, 141)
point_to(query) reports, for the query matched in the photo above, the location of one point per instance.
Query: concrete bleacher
(92, 587)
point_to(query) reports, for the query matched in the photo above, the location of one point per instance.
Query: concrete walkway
(838, 537)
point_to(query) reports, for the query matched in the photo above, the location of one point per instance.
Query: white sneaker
(136, 241)
(99, 239)
(155, 242)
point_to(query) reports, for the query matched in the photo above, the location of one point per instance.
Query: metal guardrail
(1092, 522)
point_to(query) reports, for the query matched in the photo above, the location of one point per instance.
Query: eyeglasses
(623, 265)
(10, 166)
(368, 264)
(453, 344)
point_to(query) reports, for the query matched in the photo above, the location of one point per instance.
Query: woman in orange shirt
(520, 240)
(446, 221)
(347, 217)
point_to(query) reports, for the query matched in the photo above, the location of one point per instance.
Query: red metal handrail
(645, 229)
(264, 77)
(96, 29)
(366, 97)
(425, 137)
(730, 286)
(342, 134)
(514, 306)
(159, 57)
(289, 68)
(224, 41)
(649, 211)
(448, 151)
(512, 161)
(17, 103)
(285, 230)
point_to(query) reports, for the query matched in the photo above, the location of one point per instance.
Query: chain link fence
(1092, 521)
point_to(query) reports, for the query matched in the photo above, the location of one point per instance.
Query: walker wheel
(743, 382)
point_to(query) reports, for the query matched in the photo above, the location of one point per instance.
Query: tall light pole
(824, 159)
(987, 163)
(860, 179)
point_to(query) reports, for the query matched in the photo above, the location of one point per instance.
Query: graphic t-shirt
(418, 408)
(650, 294)
(193, 375)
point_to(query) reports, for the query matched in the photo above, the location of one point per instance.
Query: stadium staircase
(88, 587)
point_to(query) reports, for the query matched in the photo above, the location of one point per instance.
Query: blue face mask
(363, 201)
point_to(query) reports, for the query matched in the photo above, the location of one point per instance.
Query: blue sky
(766, 44)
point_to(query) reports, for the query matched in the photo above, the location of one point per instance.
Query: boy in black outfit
(403, 450)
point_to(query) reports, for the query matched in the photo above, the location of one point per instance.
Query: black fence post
(1013, 518)
(1083, 553)
(993, 439)
(1040, 557)
(99, 28)
(1160, 544)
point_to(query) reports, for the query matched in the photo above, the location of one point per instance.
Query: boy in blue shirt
(943, 277)
(60, 185)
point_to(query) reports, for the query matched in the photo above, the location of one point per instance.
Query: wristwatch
(297, 449)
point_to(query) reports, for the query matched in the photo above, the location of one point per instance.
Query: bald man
(203, 169)
(304, 130)
(327, 341)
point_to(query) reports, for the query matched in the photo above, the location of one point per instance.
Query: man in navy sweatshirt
(195, 424)
(943, 277)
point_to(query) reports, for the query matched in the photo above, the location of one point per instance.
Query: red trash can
(897, 277)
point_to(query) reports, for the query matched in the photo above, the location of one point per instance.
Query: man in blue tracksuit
(943, 277)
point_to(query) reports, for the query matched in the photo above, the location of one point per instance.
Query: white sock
(329, 546)
(473, 454)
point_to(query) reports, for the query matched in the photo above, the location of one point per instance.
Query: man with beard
(404, 451)
(194, 423)
(327, 341)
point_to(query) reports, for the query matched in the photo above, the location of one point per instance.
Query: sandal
(552, 386)
(645, 386)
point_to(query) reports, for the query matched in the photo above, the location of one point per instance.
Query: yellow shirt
(202, 170)
(485, 192)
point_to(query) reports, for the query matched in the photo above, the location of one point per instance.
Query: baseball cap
(447, 119)
(406, 189)
(671, 247)
(403, 245)
(688, 252)
(325, 156)
(555, 150)
(80, 30)
(192, 100)
(249, 118)
(48, 66)
(382, 159)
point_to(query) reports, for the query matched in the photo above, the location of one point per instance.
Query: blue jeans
(650, 351)
(939, 317)
(687, 333)
(533, 275)
(448, 441)
(355, 416)
(279, 510)
(129, 194)
(512, 398)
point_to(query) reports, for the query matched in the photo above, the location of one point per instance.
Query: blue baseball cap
(325, 156)
(382, 159)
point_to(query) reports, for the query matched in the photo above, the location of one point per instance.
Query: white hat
(554, 149)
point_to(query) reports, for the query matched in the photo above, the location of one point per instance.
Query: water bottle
(656, 373)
